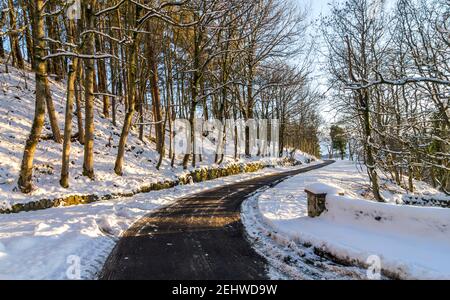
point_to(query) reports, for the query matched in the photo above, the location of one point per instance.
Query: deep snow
(16, 114)
(411, 242)
(41, 244)
(48, 244)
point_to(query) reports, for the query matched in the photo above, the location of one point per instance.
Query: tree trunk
(157, 113)
(161, 157)
(26, 168)
(52, 116)
(410, 178)
(131, 91)
(249, 116)
(222, 135)
(118, 168)
(2, 49)
(78, 100)
(72, 76)
(16, 53)
(115, 81)
(370, 160)
(249, 109)
(68, 124)
(28, 38)
(192, 146)
(101, 73)
(170, 97)
(88, 164)
(56, 64)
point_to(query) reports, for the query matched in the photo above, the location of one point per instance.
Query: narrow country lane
(198, 237)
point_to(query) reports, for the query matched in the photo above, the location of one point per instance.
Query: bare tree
(26, 169)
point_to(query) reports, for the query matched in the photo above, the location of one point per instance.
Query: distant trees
(16, 53)
(391, 80)
(339, 139)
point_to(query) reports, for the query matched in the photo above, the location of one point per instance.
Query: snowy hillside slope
(16, 114)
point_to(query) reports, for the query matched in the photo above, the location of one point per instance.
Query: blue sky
(318, 6)
(315, 8)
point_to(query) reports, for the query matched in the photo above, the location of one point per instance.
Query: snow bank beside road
(37, 245)
(391, 217)
(304, 157)
(411, 242)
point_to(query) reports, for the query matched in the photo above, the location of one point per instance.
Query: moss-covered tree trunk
(26, 168)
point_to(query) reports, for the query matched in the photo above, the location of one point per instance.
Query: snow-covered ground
(47, 244)
(411, 242)
(16, 113)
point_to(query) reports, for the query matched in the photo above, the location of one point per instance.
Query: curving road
(198, 237)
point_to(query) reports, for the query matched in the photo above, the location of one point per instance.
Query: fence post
(316, 203)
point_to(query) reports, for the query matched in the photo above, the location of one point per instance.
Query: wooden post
(316, 204)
